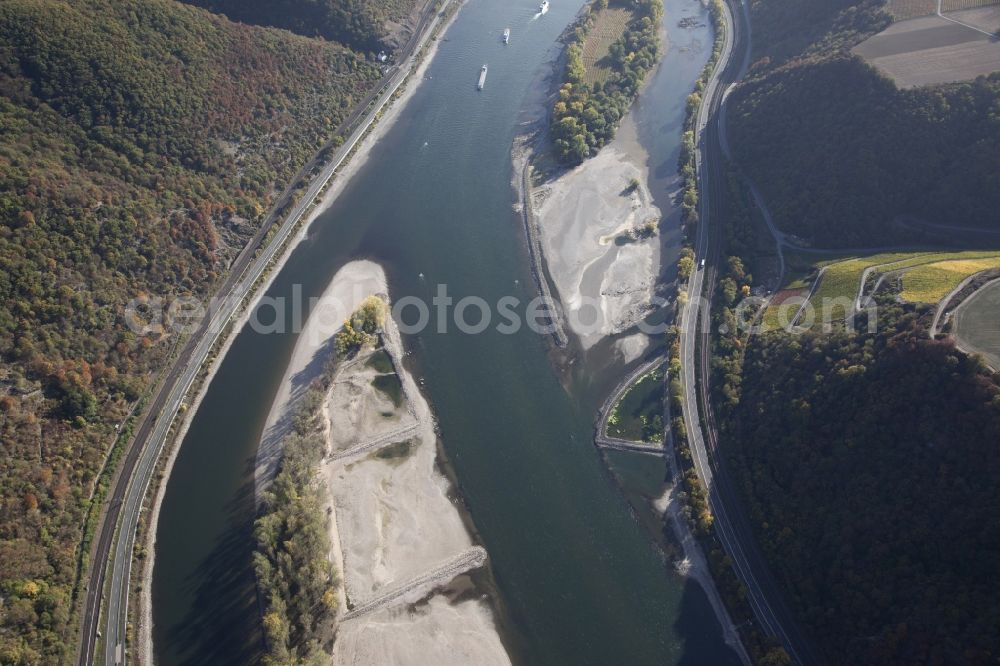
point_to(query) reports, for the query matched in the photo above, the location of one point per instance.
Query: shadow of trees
(223, 623)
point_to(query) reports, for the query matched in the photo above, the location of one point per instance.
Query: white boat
(544, 7)
(506, 36)
(482, 77)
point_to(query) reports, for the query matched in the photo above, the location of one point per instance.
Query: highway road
(731, 525)
(117, 530)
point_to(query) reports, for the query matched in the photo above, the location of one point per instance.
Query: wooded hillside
(359, 24)
(870, 464)
(141, 142)
(839, 152)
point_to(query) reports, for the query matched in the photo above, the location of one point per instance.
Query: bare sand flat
(932, 50)
(351, 285)
(395, 518)
(396, 524)
(392, 506)
(360, 412)
(438, 632)
(633, 346)
(393, 525)
(605, 286)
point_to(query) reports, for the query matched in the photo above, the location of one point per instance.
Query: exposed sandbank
(351, 285)
(440, 632)
(393, 525)
(605, 283)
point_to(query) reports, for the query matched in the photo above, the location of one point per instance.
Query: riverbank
(398, 541)
(381, 122)
(581, 217)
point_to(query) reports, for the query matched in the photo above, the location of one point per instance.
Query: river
(580, 579)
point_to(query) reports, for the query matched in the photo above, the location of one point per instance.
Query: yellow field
(609, 26)
(841, 278)
(932, 282)
(782, 308)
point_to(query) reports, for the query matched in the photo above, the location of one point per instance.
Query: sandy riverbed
(439, 632)
(392, 520)
(351, 285)
(605, 284)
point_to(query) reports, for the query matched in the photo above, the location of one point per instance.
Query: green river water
(580, 580)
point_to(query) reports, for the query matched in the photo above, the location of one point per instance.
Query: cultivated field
(609, 26)
(957, 5)
(932, 50)
(782, 308)
(927, 278)
(907, 9)
(932, 282)
(976, 324)
(842, 279)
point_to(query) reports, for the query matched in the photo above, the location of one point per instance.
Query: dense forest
(359, 24)
(870, 463)
(586, 116)
(141, 143)
(840, 153)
